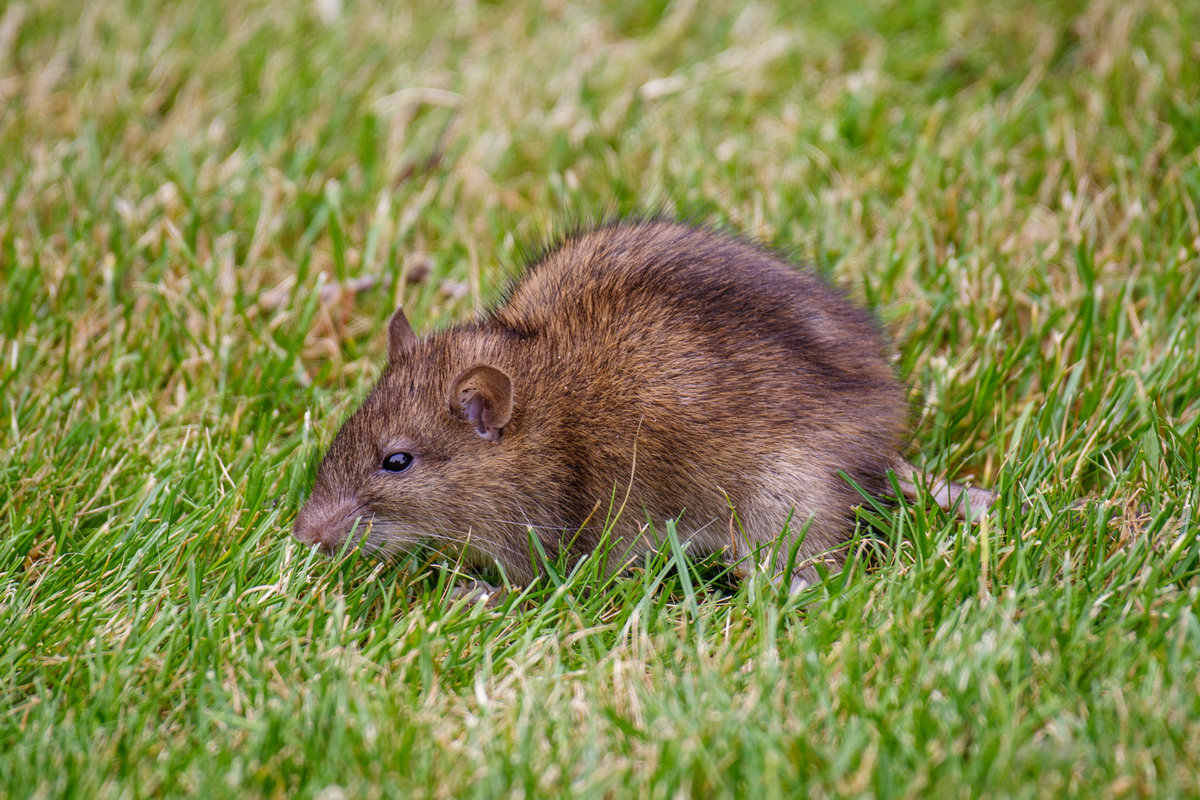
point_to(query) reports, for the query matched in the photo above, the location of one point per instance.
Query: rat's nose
(306, 530)
(324, 524)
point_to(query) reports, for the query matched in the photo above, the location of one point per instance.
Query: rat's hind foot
(471, 592)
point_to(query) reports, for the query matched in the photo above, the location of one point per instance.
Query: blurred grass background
(208, 210)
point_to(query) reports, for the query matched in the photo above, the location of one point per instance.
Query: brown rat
(641, 371)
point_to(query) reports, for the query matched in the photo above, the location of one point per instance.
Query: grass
(188, 192)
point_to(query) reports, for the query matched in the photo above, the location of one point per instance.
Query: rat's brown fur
(666, 369)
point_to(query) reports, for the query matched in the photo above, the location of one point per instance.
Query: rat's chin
(334, 524)
(383, 538)
(361, 534)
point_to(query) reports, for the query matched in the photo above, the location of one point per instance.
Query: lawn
(209, 209)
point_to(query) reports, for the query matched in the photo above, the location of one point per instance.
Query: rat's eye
(397, 462)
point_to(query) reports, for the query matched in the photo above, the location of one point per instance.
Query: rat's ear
(401, 338)
(483, 397)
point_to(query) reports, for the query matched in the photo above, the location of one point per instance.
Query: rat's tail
(968, 502)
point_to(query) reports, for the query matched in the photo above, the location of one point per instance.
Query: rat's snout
(324, 524)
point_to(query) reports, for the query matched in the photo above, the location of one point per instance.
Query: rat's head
(421, 456)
